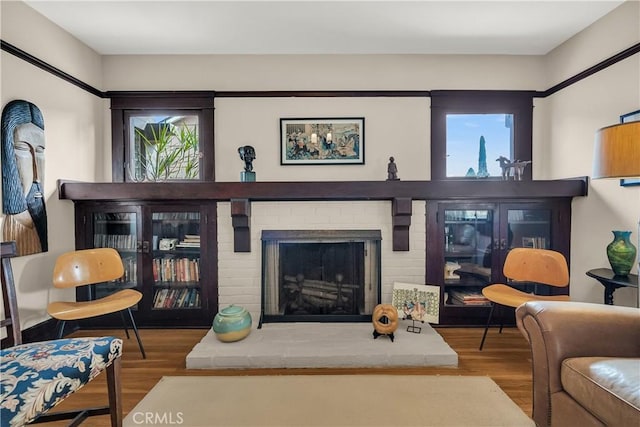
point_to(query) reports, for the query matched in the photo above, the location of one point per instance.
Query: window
(162, 138)
(162, 147)
(473, 140)
(472, 130)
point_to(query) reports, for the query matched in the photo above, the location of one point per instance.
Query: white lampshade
(617, 151)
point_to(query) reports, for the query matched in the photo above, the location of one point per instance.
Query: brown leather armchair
(585, 361)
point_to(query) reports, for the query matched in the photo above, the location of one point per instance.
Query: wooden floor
(505, 358)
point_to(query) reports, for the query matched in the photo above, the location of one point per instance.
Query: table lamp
(617, 155)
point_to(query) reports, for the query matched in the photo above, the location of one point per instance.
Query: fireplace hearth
(320, 275)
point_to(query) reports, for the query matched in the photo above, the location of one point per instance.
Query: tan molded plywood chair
(526, 265)
(88, 267)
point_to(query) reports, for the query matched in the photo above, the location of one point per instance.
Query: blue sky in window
(463, 142)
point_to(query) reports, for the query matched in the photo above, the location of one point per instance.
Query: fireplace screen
(320, 275)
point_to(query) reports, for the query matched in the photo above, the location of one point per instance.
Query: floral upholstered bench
(35, 377)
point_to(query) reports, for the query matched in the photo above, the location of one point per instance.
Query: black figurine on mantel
(392, 170)
(248, 154)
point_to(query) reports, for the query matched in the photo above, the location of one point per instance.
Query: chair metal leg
(135, 330)
(61, 324)
(124, 322)
(486, 328)
(79, 419)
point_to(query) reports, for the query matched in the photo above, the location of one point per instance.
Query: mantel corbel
(241, 220)
(401, 210)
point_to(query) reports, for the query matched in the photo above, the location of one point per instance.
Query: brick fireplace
(240, 273)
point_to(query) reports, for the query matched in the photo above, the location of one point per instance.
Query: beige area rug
(327, 400)
(323, 345)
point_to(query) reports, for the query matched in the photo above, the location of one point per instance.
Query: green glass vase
(621, 253)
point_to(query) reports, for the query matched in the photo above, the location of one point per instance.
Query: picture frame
(633, 116)
(322, 141)
(416, 302)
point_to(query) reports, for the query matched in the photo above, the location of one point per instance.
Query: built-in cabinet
(168, 252)
(467, 243)
(471, 225)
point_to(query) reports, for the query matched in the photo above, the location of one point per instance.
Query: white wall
(322, 72)
(73, 136)
(575, 114)
(396, 127)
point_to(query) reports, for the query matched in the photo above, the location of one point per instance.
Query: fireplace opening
(320, 275)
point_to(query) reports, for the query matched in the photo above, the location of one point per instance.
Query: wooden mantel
(325, 190)
(400, 193)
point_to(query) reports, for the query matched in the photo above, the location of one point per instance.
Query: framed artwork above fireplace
(322, 141)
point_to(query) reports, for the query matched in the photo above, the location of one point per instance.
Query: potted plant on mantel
(164, 151)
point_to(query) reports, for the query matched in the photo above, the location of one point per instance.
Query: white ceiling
(324, 27)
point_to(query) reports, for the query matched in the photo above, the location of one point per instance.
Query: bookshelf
(467, 243)
(161, 246)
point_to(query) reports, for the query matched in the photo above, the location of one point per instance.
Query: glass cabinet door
(117, 230)
(528, 228)
(176, 260)
(468, 243)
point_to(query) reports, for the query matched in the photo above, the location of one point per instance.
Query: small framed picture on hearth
(417, 302)
(322, 141)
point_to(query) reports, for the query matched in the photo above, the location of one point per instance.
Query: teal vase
(621, 253)
(232, 323)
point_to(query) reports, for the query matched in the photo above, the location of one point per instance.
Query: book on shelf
(172, 298)
(161, 295)
(189, 241)
(534, 242)
(181, 298)
(468, 297)
(116, 241)
(468, 294)
(176, 269)
(474, 303)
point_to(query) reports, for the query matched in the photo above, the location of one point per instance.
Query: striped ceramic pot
(232, 323)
